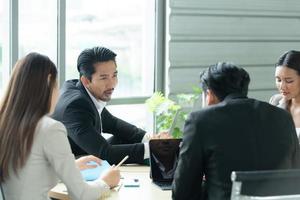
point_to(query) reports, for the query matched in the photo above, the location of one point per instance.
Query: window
(4, 68)
(38, 27)
(139, 116)
(127, 28)
(1, 41)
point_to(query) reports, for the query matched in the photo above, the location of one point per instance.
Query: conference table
(145, 190)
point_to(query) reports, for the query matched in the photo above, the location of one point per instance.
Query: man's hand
(162, 135)
(82, 162)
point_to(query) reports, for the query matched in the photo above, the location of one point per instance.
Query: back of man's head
(89, 57)
(224, 79)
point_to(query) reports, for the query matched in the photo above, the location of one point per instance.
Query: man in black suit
(233, 133)
(81, 108)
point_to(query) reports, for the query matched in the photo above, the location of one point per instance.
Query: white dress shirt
(100, 106)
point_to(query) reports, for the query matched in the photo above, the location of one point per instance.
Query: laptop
(164, 155)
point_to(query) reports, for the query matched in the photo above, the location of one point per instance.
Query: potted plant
(170, 115)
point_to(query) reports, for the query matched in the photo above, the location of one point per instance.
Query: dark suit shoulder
(72, 91)
(247, 106)
(265, 109)
(203, 113)
(71, 95)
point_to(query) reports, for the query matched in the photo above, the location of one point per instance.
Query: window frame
(159, 47)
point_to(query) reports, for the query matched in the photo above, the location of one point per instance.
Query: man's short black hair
(224, 79)
(89, 57)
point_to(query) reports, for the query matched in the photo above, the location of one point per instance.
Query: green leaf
(177, 133)
(165, 110)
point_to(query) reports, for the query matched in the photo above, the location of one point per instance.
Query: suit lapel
(91, 103)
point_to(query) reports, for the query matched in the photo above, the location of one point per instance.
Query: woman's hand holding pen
(112, 176)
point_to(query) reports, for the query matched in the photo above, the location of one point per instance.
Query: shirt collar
(98, 103)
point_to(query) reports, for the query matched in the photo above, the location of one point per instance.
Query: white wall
(249, 33)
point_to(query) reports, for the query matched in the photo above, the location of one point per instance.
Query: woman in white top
(287, 77)
(34, 150)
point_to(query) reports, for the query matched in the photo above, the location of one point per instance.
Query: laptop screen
(163, 158)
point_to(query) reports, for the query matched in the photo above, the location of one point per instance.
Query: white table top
(146, 190)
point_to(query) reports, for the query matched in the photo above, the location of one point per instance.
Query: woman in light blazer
(287, 77)
(34, 149)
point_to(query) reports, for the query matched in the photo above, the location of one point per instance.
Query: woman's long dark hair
(290, 59)
(26, 101)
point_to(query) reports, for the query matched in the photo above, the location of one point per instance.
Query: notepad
(94, 173)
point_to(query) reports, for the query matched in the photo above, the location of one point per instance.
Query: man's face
(103, 81)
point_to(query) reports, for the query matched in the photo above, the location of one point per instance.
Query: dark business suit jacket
(238, 134)
(76, 110)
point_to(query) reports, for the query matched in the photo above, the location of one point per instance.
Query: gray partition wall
(249, 33)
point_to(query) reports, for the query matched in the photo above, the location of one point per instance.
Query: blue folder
(94, 173)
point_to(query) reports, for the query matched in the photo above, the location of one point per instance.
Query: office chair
(2, 197)
(271, 184)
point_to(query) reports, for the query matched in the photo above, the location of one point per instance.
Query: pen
(122, 161)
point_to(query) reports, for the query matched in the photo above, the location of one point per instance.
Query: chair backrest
(2, 193)
(272, 184)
